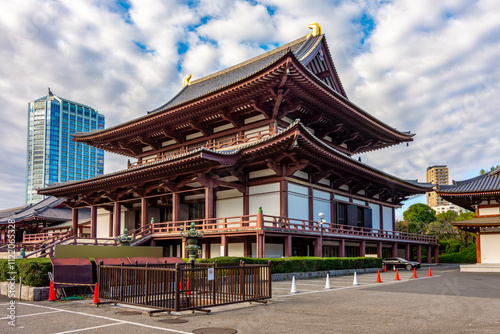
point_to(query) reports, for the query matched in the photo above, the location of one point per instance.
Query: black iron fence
(184, 287)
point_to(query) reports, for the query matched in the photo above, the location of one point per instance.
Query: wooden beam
(272, 164)
(235, 121)
(205, 130)
(290, 170)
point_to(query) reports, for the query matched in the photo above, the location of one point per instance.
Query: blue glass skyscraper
(52, 156)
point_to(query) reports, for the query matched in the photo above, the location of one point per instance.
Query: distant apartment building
(52, 157)
(439, 175)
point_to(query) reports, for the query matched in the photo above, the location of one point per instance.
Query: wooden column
(209, 202)
(288, 245)
(224, 243)
(362, 248)
(144, 211)
(419, 253)
(478, 247)
(429, 254)
(379, 250)
(318, 247)
(176, 206)
(261, 240)
(407, 252)
(342, 248)
(111, 220)
(311, 203)
(395, 249)
(117, 215)
(74, 220)
(333, 218)
(246, 202)
(93, 221)
(284, 198)
(436, 254)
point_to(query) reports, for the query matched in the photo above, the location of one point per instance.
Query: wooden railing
(238, 139)
(250, 222)
(184, 287)
(44, 237)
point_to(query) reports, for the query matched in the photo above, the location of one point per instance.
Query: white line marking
(29, 315)
(289, 289)
(111, 319)
(90, 328)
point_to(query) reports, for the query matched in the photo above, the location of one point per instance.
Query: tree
(442, 227)
(417, 217)
(492, 168)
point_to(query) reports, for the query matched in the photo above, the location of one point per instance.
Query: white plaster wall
(229, 203)
(266, 196)
(341, 198)
(490, 248)
(102, 223)
(214, 250)
(298, 202)
(271, 250)
(236, 249)
(357, 201)
(387, 218)
(489, 211)
(375, 215)
(301, 174)
(261, 173)
(321, 203)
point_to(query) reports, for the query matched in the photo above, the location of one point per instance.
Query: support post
(111, 220)
(342, 248)
(144, 211)
(419, 253)
(395, 249)
(318, 247)
(261, 239)
(362, 248)
(74, 220)
(288, 245)
(379, 250)
(407, 252)
(93, 221)
(478, 247)
(436, 254)
(224, 245)
(283, 198)
(117, 214)
(209, 202)
(429, 254)
(176, 206)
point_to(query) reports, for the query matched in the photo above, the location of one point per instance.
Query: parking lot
(447, 302)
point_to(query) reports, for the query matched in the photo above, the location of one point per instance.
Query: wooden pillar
(362, 248)
(246, 202)
(342, 248)
(318, 247)
(288, 245)
(379, 250)
(311, 203)
(74, 220)
(93, 221)
(176, 206)
(284, 198)
(111, 220)
(436, 254)
(395, 249)
(261, 239)
(333, 218)
(429, 254)
(394, 219)
(144, 211)
(419, 253)
(117, 215)
(407, 252)
(209, 202)
(224, 245)
(478, 247)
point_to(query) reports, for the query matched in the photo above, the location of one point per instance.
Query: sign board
(210, 274)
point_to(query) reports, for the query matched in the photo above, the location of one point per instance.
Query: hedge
(33, 271)
(304, 264)
(468, 255)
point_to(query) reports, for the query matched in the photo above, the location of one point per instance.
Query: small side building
(481, 195)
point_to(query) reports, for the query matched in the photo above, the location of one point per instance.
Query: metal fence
(185, 287)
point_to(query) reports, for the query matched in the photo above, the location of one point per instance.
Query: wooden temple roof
(295, 147)
(301, 74)
(467, 193)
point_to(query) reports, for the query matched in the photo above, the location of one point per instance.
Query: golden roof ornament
(316, 30)
(186, 82)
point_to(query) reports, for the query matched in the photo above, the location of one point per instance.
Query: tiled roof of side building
(210, 83)
(481, 183)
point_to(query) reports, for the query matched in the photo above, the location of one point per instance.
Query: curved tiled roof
(483, 183)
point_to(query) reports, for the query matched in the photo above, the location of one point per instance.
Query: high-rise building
(52, 157)
(436, 175)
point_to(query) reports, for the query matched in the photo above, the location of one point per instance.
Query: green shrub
(304, 264)
(468, 255)
(33, 271)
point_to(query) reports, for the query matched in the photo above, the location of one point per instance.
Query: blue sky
(429, 67)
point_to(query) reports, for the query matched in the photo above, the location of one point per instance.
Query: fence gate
(184, 287)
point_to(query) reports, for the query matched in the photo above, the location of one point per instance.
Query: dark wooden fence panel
(184, 287)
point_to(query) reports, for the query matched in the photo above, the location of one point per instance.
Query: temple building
(260, 157)
(481, 195)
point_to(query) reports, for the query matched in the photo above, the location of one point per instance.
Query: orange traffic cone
(414, 273)
(385, 268)
(378, 277)
(52, 293)
(397, 275)
(393, 267)
(430, 273)
(96, 295)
